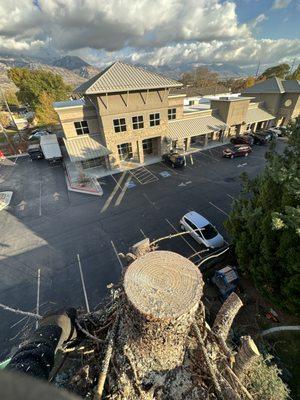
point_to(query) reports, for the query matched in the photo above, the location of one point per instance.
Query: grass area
(286, 347)
(10, 133)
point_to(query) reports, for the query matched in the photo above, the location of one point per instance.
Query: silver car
(201, 230)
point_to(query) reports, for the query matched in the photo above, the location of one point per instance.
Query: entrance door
(147, 146)
(125, 151)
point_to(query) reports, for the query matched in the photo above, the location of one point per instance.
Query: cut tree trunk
(246, 355)
(162, 294)
(226, 315)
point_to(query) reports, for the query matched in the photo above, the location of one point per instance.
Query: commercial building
(128, 116)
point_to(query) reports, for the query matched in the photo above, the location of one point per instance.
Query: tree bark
(162, 294)
(226, 315)
(246, 355)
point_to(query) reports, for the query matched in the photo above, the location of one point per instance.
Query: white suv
(205, 233)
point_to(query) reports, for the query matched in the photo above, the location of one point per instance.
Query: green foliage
(263, 381)
(265, 226)
(279, 71)
(11, 98)
(44, 111)
(295, 75)
(32, 83)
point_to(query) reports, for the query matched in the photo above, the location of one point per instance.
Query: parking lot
(60, 232)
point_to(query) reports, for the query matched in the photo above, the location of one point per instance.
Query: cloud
(156, 32)
(278, 4)
(99, 24)
(258, 20)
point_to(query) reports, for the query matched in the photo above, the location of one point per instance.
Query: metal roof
(180, 129)
(272, 85)
(121, 77)
(257, 115)
(197, 219)
(275, 85)
(69, 103)
(291, 86)
(85, 147)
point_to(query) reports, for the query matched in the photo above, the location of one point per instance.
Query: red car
(237, 151)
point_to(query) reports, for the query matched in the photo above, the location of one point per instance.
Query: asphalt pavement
(65, 233)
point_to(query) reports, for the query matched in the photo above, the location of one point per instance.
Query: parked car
(275, 131)
(237, 151)
(246, 139)
(263, 137)
(35, 152)
(174, 159)
(201, 230)
(37, 134)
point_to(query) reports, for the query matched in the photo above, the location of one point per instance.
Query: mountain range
(74, 70)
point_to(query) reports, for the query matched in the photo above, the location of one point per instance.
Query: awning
(180, 129)
(257, 115)
(85, 147)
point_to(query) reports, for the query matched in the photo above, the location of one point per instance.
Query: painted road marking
(116, 253)
(83, 284)
(183, 238)
(229, 195)
(38, 297)
(142, 232)
(222, 211)
(121, 195)
(143, 175)
(116, 188)
(40, 204)
(164, 174)
(171, 169)
(150, 201)
(208, 156)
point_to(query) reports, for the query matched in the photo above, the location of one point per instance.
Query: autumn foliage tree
(37, 88)
(265, 226)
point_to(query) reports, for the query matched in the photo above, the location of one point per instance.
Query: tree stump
(162, 294)
(246, 355)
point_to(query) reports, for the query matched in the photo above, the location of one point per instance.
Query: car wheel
(182, 227)
(232, 156)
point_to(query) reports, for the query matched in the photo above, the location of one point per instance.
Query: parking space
(47, 228)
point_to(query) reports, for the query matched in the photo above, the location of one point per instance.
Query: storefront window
(125, 151)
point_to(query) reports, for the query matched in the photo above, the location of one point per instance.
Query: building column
(188, 143)
(206, 140)
(140, 151)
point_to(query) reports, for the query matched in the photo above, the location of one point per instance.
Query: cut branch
(17, 311)
(226, 315)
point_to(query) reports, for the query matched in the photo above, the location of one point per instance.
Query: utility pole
(257, 70)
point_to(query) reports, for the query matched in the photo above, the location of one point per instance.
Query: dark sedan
(174, 159)
(262, 138)
(237, 151)
(246, 139)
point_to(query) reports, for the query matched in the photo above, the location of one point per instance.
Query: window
(154, 119)
(81, 127)
(125, 151)
(172, 113)
(209, 231)
(191, 225)
(120, 125)
(138, 122)
(191, 102)
(92, 163)
(147, 146)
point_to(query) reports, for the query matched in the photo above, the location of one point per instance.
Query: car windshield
(209, 232)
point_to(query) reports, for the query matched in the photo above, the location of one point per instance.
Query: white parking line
(172, 169)
(40, 204)
(142, 232)
(183, 238)
(83, 284)
(121, 195)
(222, 211)
(116, 188)
(229, 195)
(149, 201)
(116, 253)
(38, 297)
(208, 156)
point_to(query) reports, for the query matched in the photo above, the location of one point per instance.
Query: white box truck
(51, 149)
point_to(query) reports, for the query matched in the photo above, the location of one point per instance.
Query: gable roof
(272, 85)
(121, 77)
(291, 86)
(275, 85)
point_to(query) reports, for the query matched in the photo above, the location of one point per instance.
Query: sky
(155, 32)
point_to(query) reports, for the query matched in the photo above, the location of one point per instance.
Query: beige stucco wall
(293, 110)
(177, 102)
(68, 116)
(271, 101)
